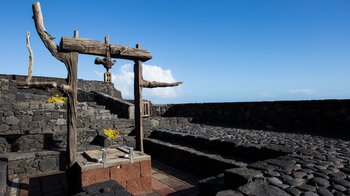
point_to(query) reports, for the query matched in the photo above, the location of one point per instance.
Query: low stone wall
(34, 163)
(330, 117)
(31, 125)
(84, 85)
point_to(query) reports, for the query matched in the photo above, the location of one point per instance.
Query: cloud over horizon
(123, 80)
(306, 91)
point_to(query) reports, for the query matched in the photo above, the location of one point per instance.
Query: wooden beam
(92, 47)
(154, 84)
(42, 85)
(138, 103)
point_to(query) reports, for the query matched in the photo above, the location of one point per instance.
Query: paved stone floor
(165, 181)
(312, 165)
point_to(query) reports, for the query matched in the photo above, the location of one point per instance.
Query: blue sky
(223, 51)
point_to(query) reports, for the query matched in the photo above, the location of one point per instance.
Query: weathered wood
(70, 59)
(42, 85)
(138, 103)
(105, 62)
(154, 84)
(31, 58)
(87, 46)
(72, 67)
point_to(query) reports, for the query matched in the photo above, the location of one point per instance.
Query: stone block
(48, 164)
(4, 128)
(61, 121)
(139, 186)
(95, 176)
(12, 120)
(239, 176)
(21, 106)
(261, 188)
(146, 168)
(125, 172)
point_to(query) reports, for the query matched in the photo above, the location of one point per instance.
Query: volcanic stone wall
(330, 117)
(84, 85)
(27, 122)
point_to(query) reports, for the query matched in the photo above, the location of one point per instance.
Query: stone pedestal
(136, 177)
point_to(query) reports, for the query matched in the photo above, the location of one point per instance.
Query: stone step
(200, 163)
(211, 185)
(242, 152)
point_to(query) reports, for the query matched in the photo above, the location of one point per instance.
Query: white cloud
(266, 95)
(306, 91)
(124, 81)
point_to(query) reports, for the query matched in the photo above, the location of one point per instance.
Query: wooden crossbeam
(92, 47)
(154, 84)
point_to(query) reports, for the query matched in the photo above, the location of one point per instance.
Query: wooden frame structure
(67, 52)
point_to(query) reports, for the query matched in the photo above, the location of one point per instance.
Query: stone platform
(165, 181)
(135, 176)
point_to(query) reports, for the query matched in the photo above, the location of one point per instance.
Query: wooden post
(138, 102)
(72, 109)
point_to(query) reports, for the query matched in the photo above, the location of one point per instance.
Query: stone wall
(34, 163)
(84, 85)
(329, 117)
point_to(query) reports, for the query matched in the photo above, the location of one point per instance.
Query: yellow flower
(57, 99)
(111, 134)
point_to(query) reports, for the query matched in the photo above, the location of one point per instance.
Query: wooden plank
(138, 102)
(92, 47)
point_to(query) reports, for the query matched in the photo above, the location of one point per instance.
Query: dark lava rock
(239, 176)
(339, 187)
(293, 191)
(346, 170)
(321, 175)
(259, 188)
(341, 182)
(337, 175)
(309, 194)
(306, 187)
(319, 181)
(47, 164)
(229, 193)
(293, 182)
(324, 192)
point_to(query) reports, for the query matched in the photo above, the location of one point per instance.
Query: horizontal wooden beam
(154, 84)
(92, 47)
(25, 84)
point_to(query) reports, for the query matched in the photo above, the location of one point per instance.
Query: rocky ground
(313, 165)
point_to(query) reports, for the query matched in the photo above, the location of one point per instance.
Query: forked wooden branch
(70, 59)
(154, 84)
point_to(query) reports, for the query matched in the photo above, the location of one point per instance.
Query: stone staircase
(214, 160)
(197, 155)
